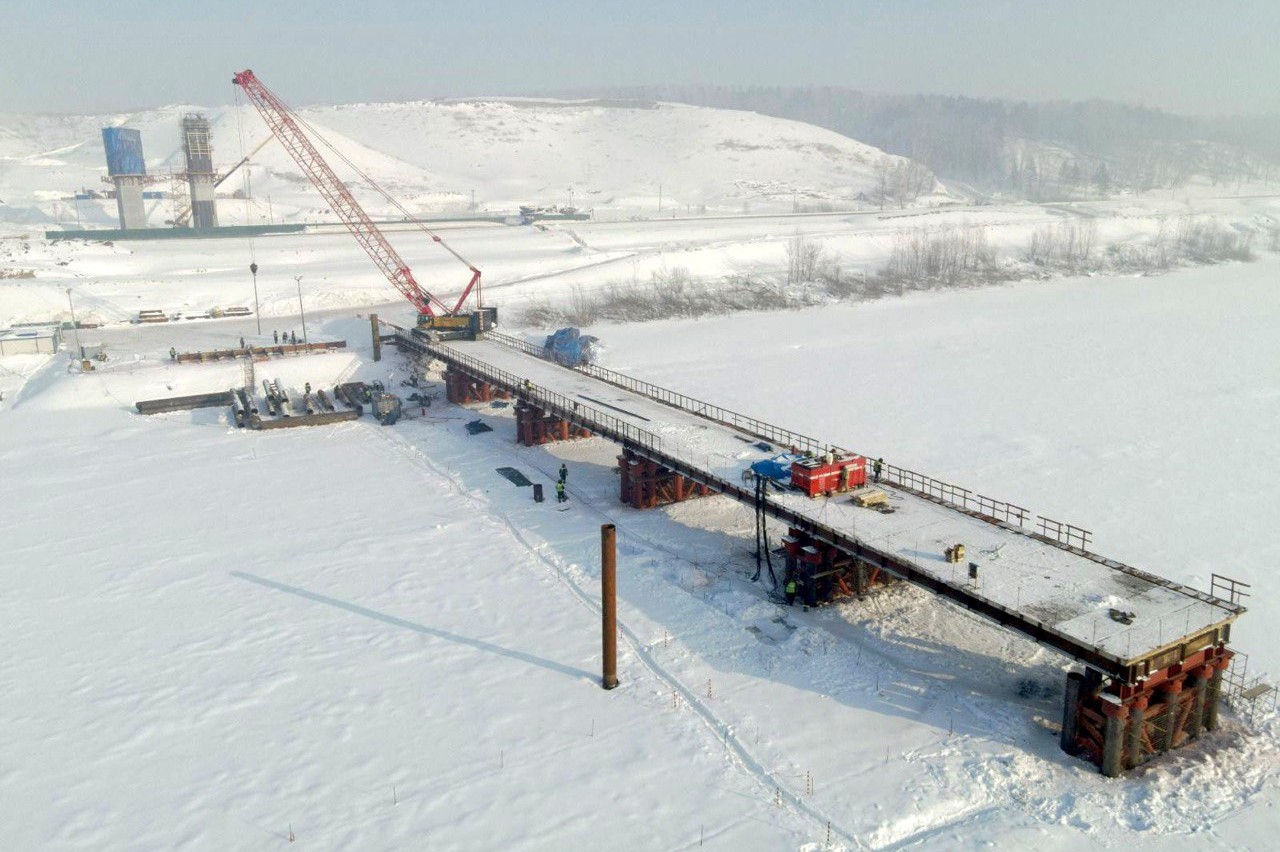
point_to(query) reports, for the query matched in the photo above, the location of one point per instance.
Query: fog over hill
(1041, 151)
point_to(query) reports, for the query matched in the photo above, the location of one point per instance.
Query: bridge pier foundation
(462, 388)
(823, 572)
(645, 484)
(535, 427)
(1121, 726)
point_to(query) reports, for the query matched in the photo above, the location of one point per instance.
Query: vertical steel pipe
(1172, 704)
(1137, 721)
(1212, 696)
(377, 337)
(1113, 739)
(609, 602)
(1070, 705)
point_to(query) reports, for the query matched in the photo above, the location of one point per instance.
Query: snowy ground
(367, 635)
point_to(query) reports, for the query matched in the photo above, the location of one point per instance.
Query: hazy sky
(1206, 56)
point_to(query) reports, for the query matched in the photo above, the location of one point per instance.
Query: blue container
(124, 151)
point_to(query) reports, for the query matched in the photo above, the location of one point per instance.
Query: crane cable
(386, 195)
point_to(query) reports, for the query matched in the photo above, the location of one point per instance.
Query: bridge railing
(783, 438)
(550, 401)
(968, 501)
(1067, 536)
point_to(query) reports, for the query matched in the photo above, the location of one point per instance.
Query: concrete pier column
(1070, 711)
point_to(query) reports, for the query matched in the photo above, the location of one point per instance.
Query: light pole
(75, 326)
(298, 278)
(253, 270)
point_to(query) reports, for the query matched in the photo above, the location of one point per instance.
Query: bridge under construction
(1151, 652)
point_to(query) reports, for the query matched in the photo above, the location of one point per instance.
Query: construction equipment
(829, 474)
(435, 318)
(569, 347)
(386, 407)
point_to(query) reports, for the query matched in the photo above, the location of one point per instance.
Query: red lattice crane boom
(286, 126)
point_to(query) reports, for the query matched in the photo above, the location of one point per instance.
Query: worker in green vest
(876, 467)
(791, 590)
(560, 496)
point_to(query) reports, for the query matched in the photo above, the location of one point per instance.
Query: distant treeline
(1058, 149)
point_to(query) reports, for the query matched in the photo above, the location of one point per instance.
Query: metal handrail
(1008, 515)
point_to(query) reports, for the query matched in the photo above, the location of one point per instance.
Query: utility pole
(659, 198)
(253, 270)
(75, 326)
(298, 278)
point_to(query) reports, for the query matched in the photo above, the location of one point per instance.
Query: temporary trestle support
(823, 573)
(646, 484)
(534, 426)
(461, 388)
(1121, 726)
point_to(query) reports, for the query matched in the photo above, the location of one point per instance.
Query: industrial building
(37, 340)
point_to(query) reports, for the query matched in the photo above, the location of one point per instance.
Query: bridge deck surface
(1044, 584)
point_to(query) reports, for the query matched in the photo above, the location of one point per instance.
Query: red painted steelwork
(461, 388)
(645, 484)
(1160, 713)
(535, 427)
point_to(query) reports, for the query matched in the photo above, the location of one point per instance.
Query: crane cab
(470, 326)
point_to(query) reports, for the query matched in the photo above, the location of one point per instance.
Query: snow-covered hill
(617, 158)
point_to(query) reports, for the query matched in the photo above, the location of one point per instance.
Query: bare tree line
(921, 259)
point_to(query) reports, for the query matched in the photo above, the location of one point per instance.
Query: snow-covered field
(368, 637)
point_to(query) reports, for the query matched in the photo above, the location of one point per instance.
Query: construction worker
(560, 495)
(275, 336)
(564, 473)
(876, 467)
(173, 354)
(242, 343)
(791, 590)
(293, 338)
(308, 387)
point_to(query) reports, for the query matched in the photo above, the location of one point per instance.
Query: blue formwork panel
(124, 151)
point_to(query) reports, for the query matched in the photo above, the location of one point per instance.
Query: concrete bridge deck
(1051, 591)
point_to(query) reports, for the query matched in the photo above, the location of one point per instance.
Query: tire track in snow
(769, 781)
